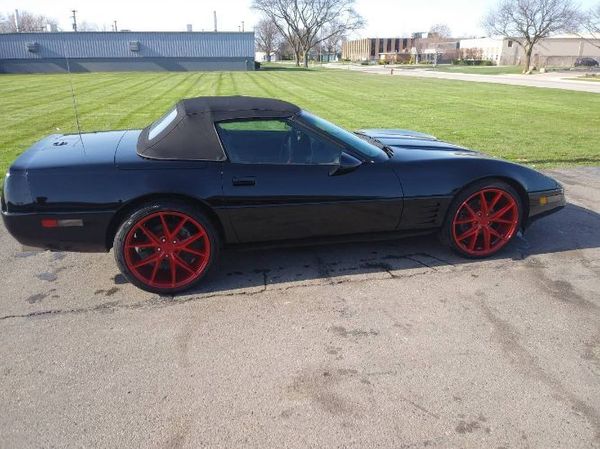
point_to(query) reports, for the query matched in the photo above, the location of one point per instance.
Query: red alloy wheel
(167, 249)
(485, 222)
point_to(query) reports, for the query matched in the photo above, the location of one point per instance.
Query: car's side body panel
(432, 172)
(430, 182)
(87, 187)
(93, 190)
(267, 202)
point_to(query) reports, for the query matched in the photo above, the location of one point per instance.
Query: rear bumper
(82, 231)
(544, 203)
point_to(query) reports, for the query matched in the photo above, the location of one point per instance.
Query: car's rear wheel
(483, 219)
(165, 247)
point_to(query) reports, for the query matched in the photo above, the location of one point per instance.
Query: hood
(377, 133)
(428, 166)
(64, 150)
(413, 145)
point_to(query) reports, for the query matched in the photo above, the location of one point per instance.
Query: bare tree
(284, 50)
(327, 20)
(333, 44)
(307, 23)
(441, 30)
(528, 21)
(84, 25)
(267, 36)
(6, 24)
(28, 22)
(440, 41)
(471, 53)
(592, 25)
(285, 18)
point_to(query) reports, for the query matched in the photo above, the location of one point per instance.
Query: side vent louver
(428, 213)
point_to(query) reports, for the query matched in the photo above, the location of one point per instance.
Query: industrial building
(420, 47)
(554, 51)
(125, 51)
(395, 49)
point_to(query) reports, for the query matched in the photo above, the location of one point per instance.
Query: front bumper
(545, 202)
(83, 231)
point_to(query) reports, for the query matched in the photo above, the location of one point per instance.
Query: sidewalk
(552, 80)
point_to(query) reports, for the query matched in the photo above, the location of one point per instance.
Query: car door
(285, 181)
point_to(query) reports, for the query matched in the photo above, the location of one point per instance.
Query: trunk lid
(64, 150)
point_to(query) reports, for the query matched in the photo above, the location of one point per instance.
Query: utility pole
(17, 24)
(215, 19)
(115, 25)
(242, 26)
(74, 17)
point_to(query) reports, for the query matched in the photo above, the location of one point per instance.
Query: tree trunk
(528, 52)
(305, 56)
(297, 57)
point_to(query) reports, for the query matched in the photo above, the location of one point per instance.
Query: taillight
(62, 223)
(49, 223)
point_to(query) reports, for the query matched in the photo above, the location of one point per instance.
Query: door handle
(244, 181)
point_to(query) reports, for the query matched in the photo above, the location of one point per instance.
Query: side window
(307, 147)
(269, 141)
(254, 141)
(161, 124)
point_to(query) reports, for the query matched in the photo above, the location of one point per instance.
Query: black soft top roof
(191, 134)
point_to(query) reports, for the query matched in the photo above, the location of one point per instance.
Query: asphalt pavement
(397, 344)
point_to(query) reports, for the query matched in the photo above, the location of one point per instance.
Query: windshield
(162, 123)
(362, 146)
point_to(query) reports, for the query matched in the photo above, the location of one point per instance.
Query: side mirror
(347, 164)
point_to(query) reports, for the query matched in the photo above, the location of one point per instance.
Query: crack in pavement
(168, 300)
(107, 306)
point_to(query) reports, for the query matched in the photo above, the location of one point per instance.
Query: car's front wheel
(165, 247)
(483, 219)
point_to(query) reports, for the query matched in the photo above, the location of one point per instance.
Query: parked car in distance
(218, 171)
(586, 62)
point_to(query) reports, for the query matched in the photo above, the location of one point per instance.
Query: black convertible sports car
(227, 170)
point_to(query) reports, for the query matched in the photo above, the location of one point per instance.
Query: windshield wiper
(385, 148)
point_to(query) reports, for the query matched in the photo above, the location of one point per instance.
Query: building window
(380, 45)
(389, 45)
(404, 44)
(372, 47)
(510, 44)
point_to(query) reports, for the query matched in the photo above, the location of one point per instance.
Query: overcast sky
(384, 18)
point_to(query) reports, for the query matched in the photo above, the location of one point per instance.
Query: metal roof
(123, 44)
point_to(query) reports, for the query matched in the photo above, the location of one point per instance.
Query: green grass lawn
(480, 70)
(541, 127)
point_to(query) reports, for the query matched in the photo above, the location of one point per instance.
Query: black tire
(147, 216)
(450, 236)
